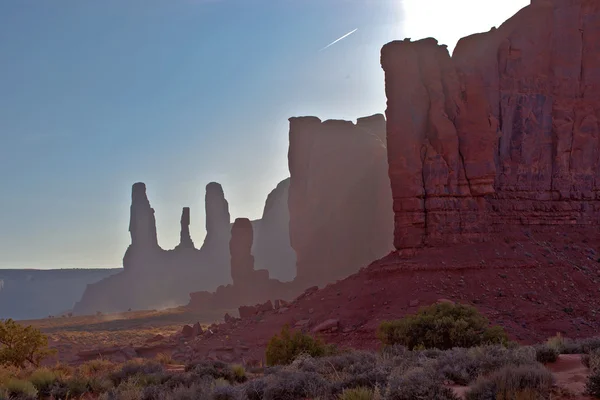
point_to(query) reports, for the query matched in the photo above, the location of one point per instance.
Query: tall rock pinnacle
(185, 240)
(142, 223)
(218, 220)
(240, 247)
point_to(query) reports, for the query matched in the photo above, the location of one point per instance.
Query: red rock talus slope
(339, 197)
(504, 133)
(534, 285)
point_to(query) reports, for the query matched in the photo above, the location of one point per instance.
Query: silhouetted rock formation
(503, 134)
(249, 286)
(272, 250)
(142, 228)
(340, 205)
(157, 278)
(185, 240)
(240, 247)
(218, 220)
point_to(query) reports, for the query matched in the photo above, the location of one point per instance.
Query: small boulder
(329, 324)
(413, 303)
(301, 323)
(265, 307)
(157, 338)
(229, 319)
(187, 331)
(247, 311)
(197, 330)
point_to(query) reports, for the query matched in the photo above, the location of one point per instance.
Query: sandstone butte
(494, 163)
(502, 134)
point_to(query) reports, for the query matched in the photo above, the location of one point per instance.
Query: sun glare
(448, 21)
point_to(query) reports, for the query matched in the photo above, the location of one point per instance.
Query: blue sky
(96, 95)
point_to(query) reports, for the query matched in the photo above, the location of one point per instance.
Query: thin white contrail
(337, 40)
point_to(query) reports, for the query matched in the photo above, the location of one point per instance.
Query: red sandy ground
(533, 284)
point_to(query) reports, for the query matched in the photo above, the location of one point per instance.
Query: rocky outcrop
(340, 201)
(142, 229)
(249, 285)
(502, 134)
(242, 260)
(185, 240)
(158, 278)
(218, 220)
(272, 250)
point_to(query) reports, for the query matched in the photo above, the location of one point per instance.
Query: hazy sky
(96, 95)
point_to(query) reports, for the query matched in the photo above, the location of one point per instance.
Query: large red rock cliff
(503, 133)
(340, 200)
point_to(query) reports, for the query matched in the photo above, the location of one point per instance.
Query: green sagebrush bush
(442, 326)
(21, 345)
(513, 382)
(286, 346)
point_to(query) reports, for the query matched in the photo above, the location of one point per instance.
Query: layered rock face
(502, 134)
(340, 201)
(271, 248)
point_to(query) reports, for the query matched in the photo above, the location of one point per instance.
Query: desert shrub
(442, 326)
(226, 393)
(98, 366)
(193, 392)
(592, 386)
(463, 366)
(128, 390)
(285, 347)
(76, 386)
(43, 379)
(569, 346)
(164, 359)
(20, 345)
(592, 360)
(354, 363)
(99, 384)
(295, 386)
(458, 365)
(217, 370)
(21, 389)
(254, 389)
(151, 371)
(510, 383)
(360, 393)
(376, 377)
(418, 383)
(545, 353)
(239, 373)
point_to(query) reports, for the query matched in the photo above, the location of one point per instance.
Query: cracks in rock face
(462, 161)
(424, 197)
(581, 68)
